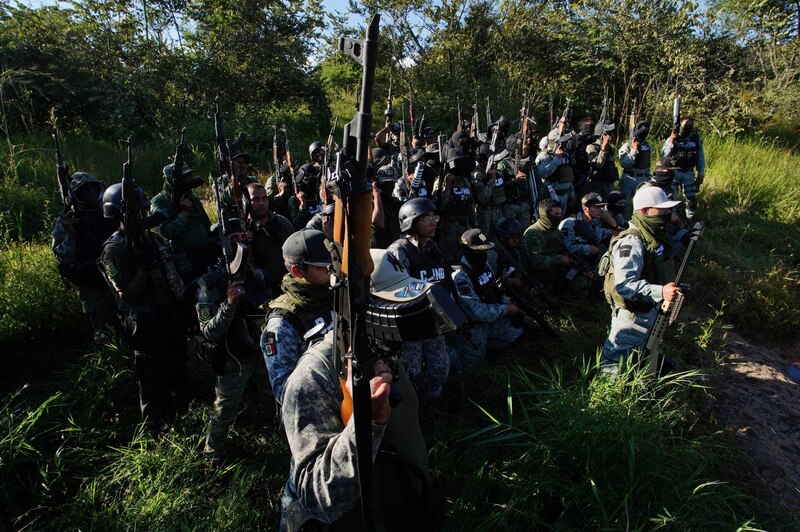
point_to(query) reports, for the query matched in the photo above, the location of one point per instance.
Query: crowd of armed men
(507, 222)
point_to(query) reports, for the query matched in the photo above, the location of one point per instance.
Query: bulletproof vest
(515, 190)
(688, 151)
(302, 319)
(608, 173)
(657, 269)
(643, 158)
(460, 202)
(581, 163)
(242, 335)
(427, 265)
(267, 253)
(485, 284)
(94, 229)
(314, 207)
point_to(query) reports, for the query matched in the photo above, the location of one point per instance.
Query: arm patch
(625, 251)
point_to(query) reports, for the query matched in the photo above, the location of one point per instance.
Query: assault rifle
(604, 115)
(352, 259)
(676, 116)
(632, 119)
(330, 147)
(577, 266)
(489, 120)
(460, 122)
(288, 151)
(177, 182)
(565, 117)
(238, 188)
(389, 112)
(130, 199)
(421, 126)
(474, 127)
(230, 221)
(443, 150)
(404, 148)
(668, 311)
(493, 146)
(62, 175)
(528, 279)
(411, 110)
(276, 158)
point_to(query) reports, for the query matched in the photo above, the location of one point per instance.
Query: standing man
(269, 231)
(456, 203)
(148, 291)
(307, 200)
(686, 150)
(78, 238)
(634, 157)
(601, 159)
(423, 259)
(637, 280)
(188, 230)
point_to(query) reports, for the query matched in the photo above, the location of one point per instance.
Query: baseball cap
(593, 199)
(666, 165)
(652, 197)
(476, 240)
(390, 280)
(306, 247)
(171, 166)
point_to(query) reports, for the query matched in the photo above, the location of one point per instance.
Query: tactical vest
(643, 157)
(460, 202)
(564, 172)
(301, 319)
(608, 173)
(688, 151)
(427, 266)
(267, 252)
(92, 232)
(657, 269)
(485, 284)
(581, 164)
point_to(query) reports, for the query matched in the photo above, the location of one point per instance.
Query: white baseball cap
(391, 281)
(652, 197)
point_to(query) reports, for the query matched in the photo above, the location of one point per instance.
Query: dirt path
(758, 399)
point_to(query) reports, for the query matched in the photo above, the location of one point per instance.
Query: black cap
(306, 247)
(666, 165)
(475, 240)
(428, 132)
(592, 199)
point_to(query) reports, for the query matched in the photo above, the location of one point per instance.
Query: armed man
(280, 188)
(490, 192)
(515, 181)
(229, 309)
(483, 301)
(601, 159)
(269, 231)
(636, 281)
(141, 270)
(456, 204)
(415, 183)
(584, 138)
(635, 158)
(424, 260)
(307, 200)
(686, 150)
(508, 236)
(187, 228)
(77, 241)
(554, 167)
(305, 310)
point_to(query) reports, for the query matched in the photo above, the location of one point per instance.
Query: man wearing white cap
(637, 280)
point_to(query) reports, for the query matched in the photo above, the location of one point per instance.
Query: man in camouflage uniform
(305, 310)
(228, 312)
(634, 157)
(490, 191)
(601, 159)
(78, 238)
(585, 234)
(638, 278)
(386, 177)
(483, 302)
(515, 181)
(456, 203)
(685, 148)
(406, 188)
(323, 485)
(423, 259)
(269, 231)
(544, 253)
(307, 200)
(554, 167)
(280, 188)
(189, 230)
(148, 289)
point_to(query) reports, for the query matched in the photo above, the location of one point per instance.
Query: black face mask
(686, 129)
(587, 129)
(616, 209)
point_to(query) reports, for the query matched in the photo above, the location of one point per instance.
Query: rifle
(668, 311)
(489, 120)
(389, 112)
(421, 125)
(352, 259)
(276, 159)
(411, 110)
(235, 253)
(460, 123)
(176, 179)
(330, 147)
(632, 119)
(443, 150)
(577, 265)
(552, 114)
(288, 151)
(474, 129)
(130, 199)
(565, 116)
(403, 143)
(493, 147)
(676, 116)
(528, 279)
(238, 188)
(62, 175)
(604, 115)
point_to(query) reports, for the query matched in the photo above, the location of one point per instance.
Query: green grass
(530, 441)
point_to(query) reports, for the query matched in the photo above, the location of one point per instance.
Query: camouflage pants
(448, 235)
(628, 332)
(684, 181)
(471, 344)
(432, 354)
(487, 216)
(229, 388)
(98, 303)
(519, 211)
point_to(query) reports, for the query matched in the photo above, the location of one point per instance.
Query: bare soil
(760, 403)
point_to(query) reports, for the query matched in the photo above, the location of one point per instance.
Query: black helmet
(453, 155)
(428, 132)
(314, 146)
(415, 156)
(511, 143)
(641, 129)
(413, 209)
(507, 227)
(112, 200)
(379, 157)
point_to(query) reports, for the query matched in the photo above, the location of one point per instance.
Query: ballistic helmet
(507, 227)
(112, 200)
(314, 146)
(413, 209)
(379, 157)
(415, 156)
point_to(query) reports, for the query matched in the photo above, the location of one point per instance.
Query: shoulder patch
(110, 268)
(204, 312)
(464, 289)
(625, 250)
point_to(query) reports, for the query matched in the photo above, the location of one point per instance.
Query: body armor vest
(687, 151)
(608, 173)
(267, 252)
(460, 202)
(92, 232)
(643, 158)
(426, 265)
(485, 285)
(657, 269)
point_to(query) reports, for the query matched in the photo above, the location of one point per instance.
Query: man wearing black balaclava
(580, 164)
(634, 157)
(685, 148)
